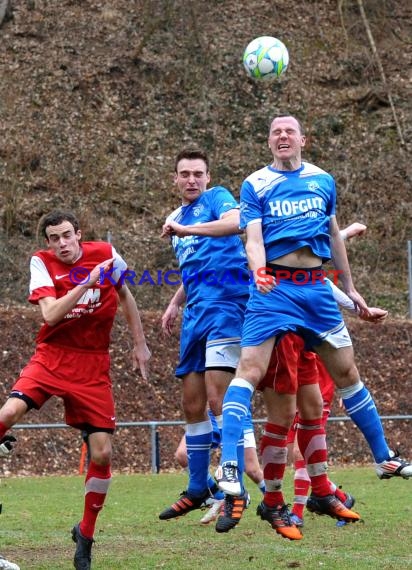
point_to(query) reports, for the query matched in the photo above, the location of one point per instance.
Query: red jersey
(88, 325)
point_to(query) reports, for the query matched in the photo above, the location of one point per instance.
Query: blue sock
(236, 405)
(262, 486)
(361, 408)
(198, 441)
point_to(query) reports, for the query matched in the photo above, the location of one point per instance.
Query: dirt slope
(97, 97)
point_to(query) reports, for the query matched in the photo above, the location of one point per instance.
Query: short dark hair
(55, 218)
(192, 154)
(282, 116)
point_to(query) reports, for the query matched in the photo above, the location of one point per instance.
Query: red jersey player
(78, 287)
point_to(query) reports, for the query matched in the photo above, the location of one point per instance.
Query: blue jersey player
(215, 287)
(288, 212)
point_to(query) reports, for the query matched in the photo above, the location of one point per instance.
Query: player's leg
(301, 479)
(217, 378)
(11, 412)
(281, 409)
(361, 408)
(236, 404)
(198, 438)
(97, 482)
(181, 453)
(311, 439)
(222, 356)
(24, 396)
(253, 468)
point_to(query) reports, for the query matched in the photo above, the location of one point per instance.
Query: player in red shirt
(77, 286)
(301, 477)
(292, 383)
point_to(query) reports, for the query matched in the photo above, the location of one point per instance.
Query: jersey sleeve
(41, 284)
(341, 298)
(223, 201)
(119, 269)
(250, 206)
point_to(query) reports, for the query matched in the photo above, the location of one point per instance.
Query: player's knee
(251, 369)
(101, 454)
(12, 411)
(101, 457)
(215, 404)
(193, 408)
(348, 376)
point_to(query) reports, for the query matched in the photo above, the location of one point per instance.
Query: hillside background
(96, 99)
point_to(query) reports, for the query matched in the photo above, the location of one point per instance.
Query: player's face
(285, 140)
(64, 242)
(191, 178)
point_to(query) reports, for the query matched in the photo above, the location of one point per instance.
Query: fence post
(157, 451)
(154, 444)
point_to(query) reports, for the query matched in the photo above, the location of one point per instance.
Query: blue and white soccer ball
(265, 58)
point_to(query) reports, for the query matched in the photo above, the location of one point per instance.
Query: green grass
(39, 513)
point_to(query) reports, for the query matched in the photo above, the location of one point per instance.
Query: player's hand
(169, 318)
(141, 356)
(97, 271)
(375, 315)
(360, 304)
(6, 445)
(355, 229)
(174, 229)
(264, 281)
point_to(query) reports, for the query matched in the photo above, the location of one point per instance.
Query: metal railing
(154, 434)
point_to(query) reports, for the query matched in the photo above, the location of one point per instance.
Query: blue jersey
(294, 208)
(211, 267)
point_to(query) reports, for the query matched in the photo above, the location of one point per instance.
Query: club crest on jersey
(313, 186)
(197, 210)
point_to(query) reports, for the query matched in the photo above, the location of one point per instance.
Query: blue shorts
(210, 335)
(306, 308)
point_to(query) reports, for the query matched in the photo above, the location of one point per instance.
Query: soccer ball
(265, 58)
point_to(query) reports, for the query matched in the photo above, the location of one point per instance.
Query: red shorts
(81, 379)
(290, 366)
(326, 384)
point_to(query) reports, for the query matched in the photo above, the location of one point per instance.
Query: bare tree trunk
(6, 11)
(381, 70)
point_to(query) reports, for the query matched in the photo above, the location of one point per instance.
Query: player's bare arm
(141, 353)
(227, 225)
(54, 310)
(170, 315)
(256, 255)
(341, 263)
